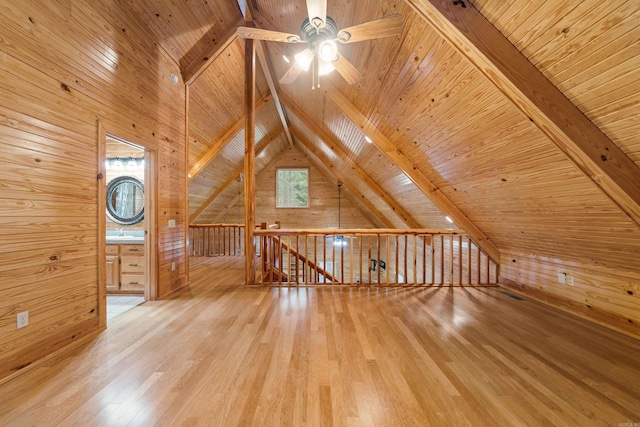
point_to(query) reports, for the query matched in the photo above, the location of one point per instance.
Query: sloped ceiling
(455, 127)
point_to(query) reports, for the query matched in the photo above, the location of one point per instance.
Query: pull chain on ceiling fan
(320, 33)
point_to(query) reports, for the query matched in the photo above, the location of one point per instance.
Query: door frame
(151, 221)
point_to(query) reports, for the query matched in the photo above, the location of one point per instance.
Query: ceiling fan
(321, 35)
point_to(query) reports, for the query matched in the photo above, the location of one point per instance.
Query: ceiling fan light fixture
(325, 68)
(304, 59)
(328, 50)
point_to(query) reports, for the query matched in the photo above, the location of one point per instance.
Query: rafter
(531, 92)
(267, 69)
(214, 48)
(213, 151)
(226, 209)
(265, 64)
(259, 149)
(336, 146)
(389, 149)
(313, 151)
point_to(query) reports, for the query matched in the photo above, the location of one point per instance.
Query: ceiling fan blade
(347, 70)
(274, 36)
(387, 26)
(292, 73)
(317, 9)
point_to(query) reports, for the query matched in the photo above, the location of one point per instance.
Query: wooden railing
(216, 240)
(298, 268)
(376, 256)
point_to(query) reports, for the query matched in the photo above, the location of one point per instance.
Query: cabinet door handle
(133, 265)
(133, 249)
(133, 283)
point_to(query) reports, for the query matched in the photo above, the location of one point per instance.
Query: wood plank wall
(323, 194)
(64, 66)
(609, 296)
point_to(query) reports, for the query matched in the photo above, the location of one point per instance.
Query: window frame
(308, 205)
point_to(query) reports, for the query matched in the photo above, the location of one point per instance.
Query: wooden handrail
(359, 232)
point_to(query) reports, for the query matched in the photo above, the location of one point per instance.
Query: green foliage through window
(292, 188)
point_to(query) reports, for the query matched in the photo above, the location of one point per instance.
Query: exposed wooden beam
(214, 195)
(265, 64)
(226, 209)
(317, 155)
(545, 105)
(412, 172)
(213, 151)
(249, 161)
(336, 146)
(267, 69)
(232, 203)
(214, 48)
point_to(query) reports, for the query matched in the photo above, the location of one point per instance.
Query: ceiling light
(117, 164)
(369, 140)
(131, 165)
(304, 59)
(328, 50)
(325, 68)
(449, 219)
(286, 59)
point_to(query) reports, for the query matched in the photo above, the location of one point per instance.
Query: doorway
(129, 227)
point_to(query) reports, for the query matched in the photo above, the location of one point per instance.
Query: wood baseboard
(597, 315)
(56, 355)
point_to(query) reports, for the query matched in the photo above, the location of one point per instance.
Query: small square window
(292, 188)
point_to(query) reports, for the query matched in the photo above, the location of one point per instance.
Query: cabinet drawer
(132, 264)
(132, 282)
(112, 249)
(132, 249)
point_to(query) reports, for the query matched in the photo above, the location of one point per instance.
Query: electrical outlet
(173, 266)
(22, 319)
(570, 281)
(562, 277)
(172, 223)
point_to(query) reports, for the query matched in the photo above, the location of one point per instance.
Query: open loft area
(435, 165)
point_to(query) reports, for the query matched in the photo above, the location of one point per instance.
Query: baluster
(388, 262)
(469, 259)
(460, 260)
(488, 262)
(279, 261)
(333, 258)
(478, 266)
(415, 259)
(378, 261)
(424, 259)
(450, 259)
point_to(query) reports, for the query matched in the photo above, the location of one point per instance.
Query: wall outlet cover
(562, 277)
(22, 319)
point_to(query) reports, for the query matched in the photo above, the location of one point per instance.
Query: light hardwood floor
(225, 354)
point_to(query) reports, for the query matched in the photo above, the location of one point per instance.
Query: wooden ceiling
(465, 134)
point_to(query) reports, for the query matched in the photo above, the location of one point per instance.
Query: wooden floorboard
(222, 354)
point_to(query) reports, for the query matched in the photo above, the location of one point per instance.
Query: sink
(125, 239)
